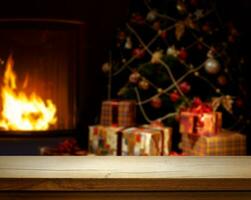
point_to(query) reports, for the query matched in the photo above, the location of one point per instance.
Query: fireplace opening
(41, 64)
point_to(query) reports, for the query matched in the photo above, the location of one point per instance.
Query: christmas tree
(172, 53)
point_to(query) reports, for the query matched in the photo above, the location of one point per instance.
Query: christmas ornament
(144, 85)
(196, 102)
(156, 57)
(185, 87)
(212, 66)
(138, 53)
(151, 15)
(174, 96)
(106, 67)
(218, 90)
(163, 34)
(160, 90)
(128, 43)
(134, 77)
(182, 54)
(181, 7)
(196, 73)
(172, 51)
(222, 80)
(156, 102)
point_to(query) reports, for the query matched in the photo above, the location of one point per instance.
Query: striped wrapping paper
(121, 113)
(226, 143)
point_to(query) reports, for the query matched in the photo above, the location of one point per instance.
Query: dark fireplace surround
(53, 54)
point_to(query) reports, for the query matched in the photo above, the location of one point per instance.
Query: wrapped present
(199, 119)
(104, 140)
(201, 124)
(146, 141)
(121, 113)
(223, 144)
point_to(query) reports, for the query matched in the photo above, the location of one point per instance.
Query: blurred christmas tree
(171, 51)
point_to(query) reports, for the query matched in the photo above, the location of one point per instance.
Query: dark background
(103, 17)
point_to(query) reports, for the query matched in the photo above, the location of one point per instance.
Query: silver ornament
(212, 66)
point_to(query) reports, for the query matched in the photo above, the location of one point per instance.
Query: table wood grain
(137, 174)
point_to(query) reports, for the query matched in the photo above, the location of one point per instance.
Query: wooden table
(173, 178)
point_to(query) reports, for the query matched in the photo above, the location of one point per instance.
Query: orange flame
(22, 112)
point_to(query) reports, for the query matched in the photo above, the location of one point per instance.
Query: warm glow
(20, 111)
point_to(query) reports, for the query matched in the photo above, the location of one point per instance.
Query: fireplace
(41, 61)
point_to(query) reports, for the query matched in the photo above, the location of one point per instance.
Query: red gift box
(200, 124)
(200, 120)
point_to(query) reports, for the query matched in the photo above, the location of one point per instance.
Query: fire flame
(22, 112)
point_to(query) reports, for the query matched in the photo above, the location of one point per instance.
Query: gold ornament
(172, 51)
(144, 85)
(160, 90)
(181, 7)
(156, 57)
(106, 67)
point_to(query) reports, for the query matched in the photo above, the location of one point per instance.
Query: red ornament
(163, 34)
(174, 96)
(156, 102)
(185, 87)
(183, 54)
(222, 80)
(138, 53)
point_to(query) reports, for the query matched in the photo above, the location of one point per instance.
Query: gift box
(223, 144)
(146, 141)
(104, 140)
(201, 124)
(121, 113)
